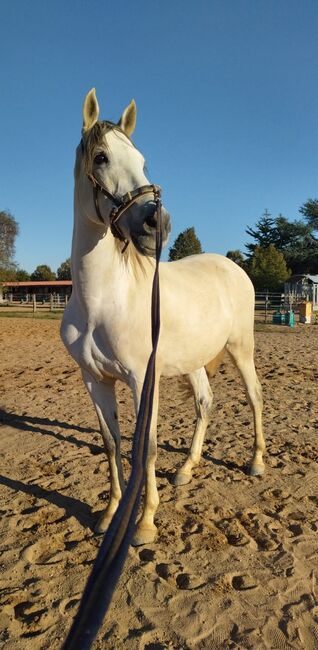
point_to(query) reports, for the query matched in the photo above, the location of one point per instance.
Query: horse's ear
(127, 121)
(90, 110)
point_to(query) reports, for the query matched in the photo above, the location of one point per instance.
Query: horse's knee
(204, 405)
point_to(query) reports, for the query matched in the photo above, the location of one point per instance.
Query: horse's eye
(100, 159)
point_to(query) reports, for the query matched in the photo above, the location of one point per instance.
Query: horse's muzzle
(151, 218)
(145, 239)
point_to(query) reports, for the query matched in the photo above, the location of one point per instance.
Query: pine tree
(264, 233)
(187, 243)
(310, 211)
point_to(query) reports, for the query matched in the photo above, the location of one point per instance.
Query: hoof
(144, 536)
(256, 470)
(180, 478)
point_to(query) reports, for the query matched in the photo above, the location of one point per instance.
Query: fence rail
(267, 303)
(36, 301)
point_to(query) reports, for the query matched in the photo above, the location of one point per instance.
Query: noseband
(121, 205)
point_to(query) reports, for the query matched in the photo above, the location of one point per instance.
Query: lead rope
(111, 556)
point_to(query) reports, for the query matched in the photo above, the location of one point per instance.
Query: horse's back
(209, 273)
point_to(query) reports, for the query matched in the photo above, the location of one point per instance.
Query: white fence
(36, 301)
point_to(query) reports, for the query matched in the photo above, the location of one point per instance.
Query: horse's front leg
(146, 530)
(104, 400)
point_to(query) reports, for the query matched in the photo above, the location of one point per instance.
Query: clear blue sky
(227, 98)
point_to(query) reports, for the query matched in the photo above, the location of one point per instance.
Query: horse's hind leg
(203, 402)
(104, 400)
(243, 358)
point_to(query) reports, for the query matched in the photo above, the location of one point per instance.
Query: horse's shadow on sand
(72, 507)
(36, 425)
(206, 455)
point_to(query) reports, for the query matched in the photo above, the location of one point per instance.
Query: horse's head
(112, 187)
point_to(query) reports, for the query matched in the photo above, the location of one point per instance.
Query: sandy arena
(235, 564)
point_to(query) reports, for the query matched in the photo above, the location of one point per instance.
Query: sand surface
(235, 564)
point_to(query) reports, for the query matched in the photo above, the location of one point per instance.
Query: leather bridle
(120, 205)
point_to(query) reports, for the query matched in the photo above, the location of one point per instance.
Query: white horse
(207, 304)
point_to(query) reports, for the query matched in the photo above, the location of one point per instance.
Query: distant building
(303, 287)
(24, 291)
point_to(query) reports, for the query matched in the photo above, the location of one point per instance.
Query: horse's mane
(134, 261)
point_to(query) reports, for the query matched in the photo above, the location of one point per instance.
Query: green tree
(287, 232)
(7, 274)
(294, 239)
(302, 256)
(187, 243)
(22, 275)
(310, 212)
(43, 272)
(9, 229)
(64, 271)
(237, 257)
(264, 233)
(299, 246)
(267, 268)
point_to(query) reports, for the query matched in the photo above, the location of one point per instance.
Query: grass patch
(38, 315)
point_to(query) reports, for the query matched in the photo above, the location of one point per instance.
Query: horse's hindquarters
(206, 301)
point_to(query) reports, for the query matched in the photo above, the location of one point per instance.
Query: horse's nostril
(151, 221)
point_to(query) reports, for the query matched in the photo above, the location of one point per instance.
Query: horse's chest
(95, 353)
(100, 356)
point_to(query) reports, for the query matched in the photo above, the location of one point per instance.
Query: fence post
(66, 299)
(266, 305)
(34, 302)
(51, 302)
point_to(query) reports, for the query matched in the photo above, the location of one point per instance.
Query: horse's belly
(186, 351)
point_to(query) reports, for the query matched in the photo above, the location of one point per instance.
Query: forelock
(94, 138)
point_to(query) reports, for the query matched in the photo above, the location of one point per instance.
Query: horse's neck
(94, 262)
(101, 275)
